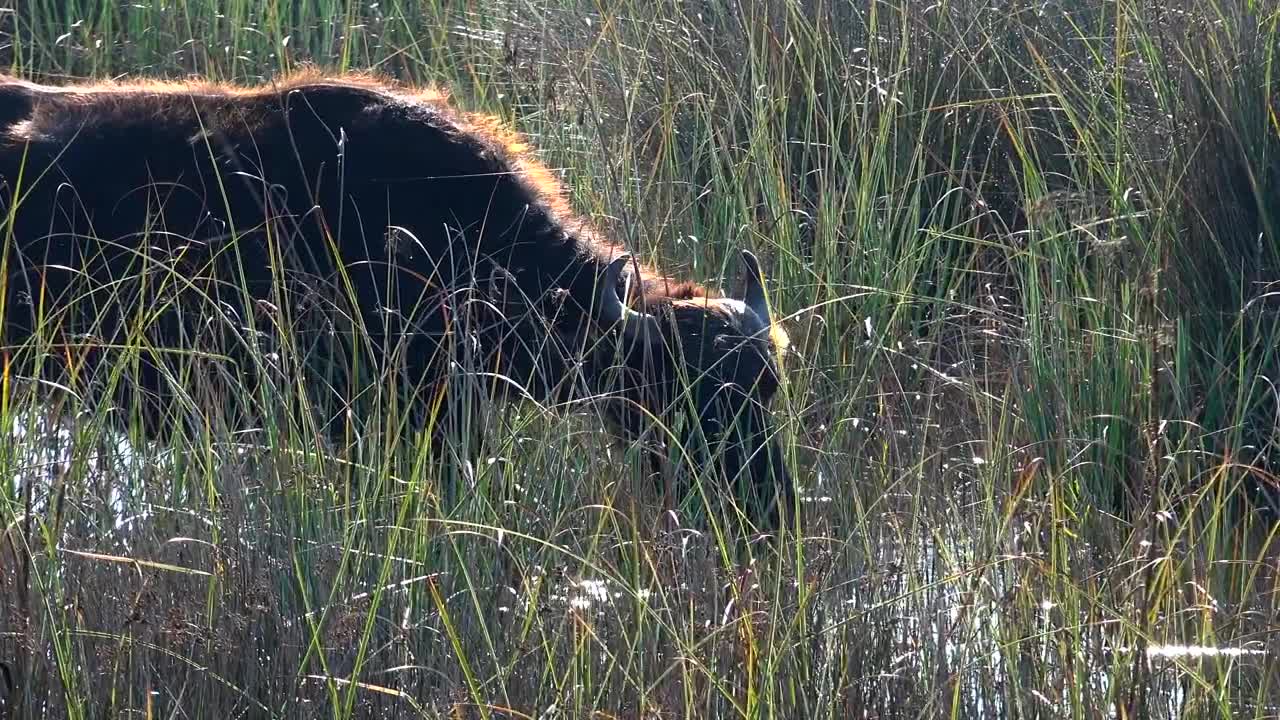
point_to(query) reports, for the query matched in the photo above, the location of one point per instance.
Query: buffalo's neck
(543, 291)
(556, 272)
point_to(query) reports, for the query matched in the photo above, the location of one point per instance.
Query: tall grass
(1028, 256)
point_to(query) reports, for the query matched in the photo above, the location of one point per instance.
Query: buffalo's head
(703, 371)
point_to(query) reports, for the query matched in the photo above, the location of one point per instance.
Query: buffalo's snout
(747, 449)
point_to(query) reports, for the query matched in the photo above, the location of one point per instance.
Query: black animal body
(375, 222)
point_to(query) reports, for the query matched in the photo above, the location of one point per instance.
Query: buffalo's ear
(754, 294)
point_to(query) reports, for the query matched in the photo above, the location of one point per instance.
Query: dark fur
(488, 266)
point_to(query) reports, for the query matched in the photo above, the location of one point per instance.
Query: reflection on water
(1194, 651)
(909, 612)
(1169, 694)
(584, 593)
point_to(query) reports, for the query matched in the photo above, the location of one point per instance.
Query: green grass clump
(1028, 254)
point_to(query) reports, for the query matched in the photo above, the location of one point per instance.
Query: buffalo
(377, 223)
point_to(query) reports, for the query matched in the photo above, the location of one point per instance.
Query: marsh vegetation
(1028, 255)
